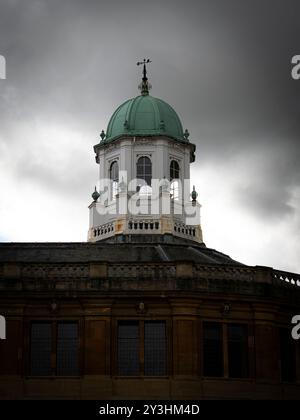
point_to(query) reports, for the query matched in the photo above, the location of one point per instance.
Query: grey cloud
(266, 202)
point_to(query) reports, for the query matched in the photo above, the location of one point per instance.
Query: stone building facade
(144, 309)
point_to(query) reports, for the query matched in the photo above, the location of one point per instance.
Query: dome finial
(145, 86)
(102, 135)
(194, 196)
(95, 195)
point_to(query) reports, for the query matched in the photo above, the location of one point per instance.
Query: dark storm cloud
(224, 66)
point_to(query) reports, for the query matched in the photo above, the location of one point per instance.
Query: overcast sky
(225, 67)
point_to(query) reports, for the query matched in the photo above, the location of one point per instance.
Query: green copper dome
(145, 115)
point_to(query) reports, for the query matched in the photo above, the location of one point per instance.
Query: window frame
(244, 366)
(220, 326)
(54, 344)
(114, 180)
(144, 175)
(141, 324)
(225, 347)
(172, 178)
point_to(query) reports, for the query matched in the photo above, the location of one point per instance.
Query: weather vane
(145, 86)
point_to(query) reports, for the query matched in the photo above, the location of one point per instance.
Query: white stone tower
(144, 181)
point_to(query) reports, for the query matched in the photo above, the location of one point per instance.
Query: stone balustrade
(286, 277)
(145, 226)
(103, 231)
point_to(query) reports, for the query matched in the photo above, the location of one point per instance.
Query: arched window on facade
(114, 177)
(174, 178)
(144, 172)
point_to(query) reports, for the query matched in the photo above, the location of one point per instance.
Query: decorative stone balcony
(141, 225)
(101, 232)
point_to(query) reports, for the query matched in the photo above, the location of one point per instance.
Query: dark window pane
(155, 348)
(67, 348)
(41, 334)
(114, 171)
(144, 169)
(114, 176)
(212, 349)
(238, 351)
(128, 348)
(174, 170)
(287, 356)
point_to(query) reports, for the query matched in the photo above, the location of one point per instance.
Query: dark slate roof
(140, 248)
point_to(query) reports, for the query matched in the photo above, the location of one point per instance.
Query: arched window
(174, 177)
(114, 177)
(144, 169)
(174, 170)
